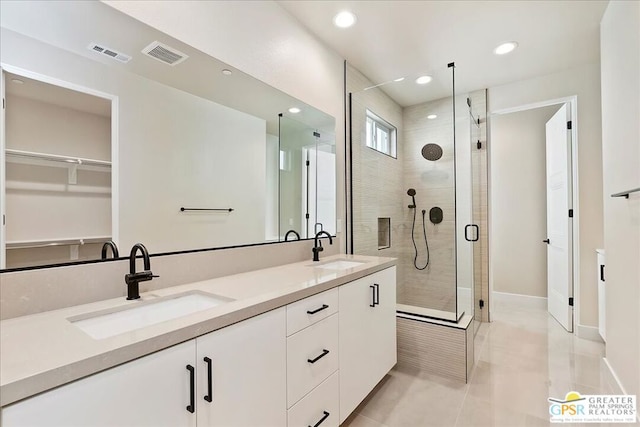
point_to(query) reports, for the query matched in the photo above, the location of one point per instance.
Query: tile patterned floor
(522, 358)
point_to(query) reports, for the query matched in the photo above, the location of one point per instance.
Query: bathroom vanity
(299, 344)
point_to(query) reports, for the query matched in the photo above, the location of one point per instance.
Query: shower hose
(426, 243)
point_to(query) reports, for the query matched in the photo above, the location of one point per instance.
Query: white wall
(263, 40)
(518, 200)
(620, 45)
(583, 81)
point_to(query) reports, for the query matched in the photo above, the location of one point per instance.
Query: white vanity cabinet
(313, 361)
(150, 391)
(367, 336)
(248, 382)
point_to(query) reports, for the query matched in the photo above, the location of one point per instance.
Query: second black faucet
(133, 279)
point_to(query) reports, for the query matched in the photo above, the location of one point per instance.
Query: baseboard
(528, 301)
(590, 333)
(613, 378)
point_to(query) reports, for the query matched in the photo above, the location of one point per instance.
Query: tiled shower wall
(435, 286)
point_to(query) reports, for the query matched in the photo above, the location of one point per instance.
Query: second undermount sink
(107, 323)
(340, 264)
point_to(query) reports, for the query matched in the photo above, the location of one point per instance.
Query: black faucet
(114, 249)
(286, 236)
(133, 279)
(317, 248)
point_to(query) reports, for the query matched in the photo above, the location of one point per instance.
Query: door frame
(115, 206)
(573, 102)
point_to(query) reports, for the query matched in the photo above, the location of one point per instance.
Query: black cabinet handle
(209, 396)
(376, 294)
(192, 389)
(547, 241)
(373, 296)
(602, 272)
(324, 417)
(324, 306)
(324, 353)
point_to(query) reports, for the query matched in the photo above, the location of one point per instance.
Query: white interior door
(559, 230)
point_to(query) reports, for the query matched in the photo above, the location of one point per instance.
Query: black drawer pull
(602, 272)
(373, 296)
(324, 306)
(376, 294)
(209, 396)
(324, 417)
(192, 389)
(324, 353)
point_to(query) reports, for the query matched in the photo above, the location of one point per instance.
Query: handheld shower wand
(412, 192)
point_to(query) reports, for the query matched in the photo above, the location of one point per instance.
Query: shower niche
(433, 190)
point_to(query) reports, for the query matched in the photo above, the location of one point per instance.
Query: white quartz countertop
(42, 351)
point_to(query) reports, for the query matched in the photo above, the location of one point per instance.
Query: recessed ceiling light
(294, 110)
(399, 80)
(18, 81)
(227, 72)
(505, 48)
(431, 116)
(423, 80)
(344, 19)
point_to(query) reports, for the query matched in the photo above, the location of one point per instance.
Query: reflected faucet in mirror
(114, 250)
(133, 279)
(317, 246)
(286, 236)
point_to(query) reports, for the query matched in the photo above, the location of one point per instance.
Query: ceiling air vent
(111, 53)
(164, 53)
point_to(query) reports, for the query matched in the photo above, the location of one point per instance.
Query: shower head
(412, 192)
(432, 152)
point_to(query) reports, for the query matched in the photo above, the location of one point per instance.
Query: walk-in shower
(398, 149)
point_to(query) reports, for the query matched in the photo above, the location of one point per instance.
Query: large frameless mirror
(134, 136)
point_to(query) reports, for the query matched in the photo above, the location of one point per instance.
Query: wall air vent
(111, 53)
(164, 53)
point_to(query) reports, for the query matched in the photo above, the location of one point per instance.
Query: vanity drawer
(312, 356)
(315, 406)
(313, 309)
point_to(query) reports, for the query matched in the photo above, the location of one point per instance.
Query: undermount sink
(107, 323)
(340, 264)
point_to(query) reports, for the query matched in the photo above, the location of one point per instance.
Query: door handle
(602, 272)
(209, 395)
(546, 241)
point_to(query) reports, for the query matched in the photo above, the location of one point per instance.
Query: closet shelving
(73, 164)
(45, 243)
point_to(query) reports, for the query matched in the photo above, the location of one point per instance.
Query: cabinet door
(150, 391)
(367, 336)
(248, 373)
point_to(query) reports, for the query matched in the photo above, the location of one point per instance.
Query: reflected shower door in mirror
(194, 151)
(307, 162)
